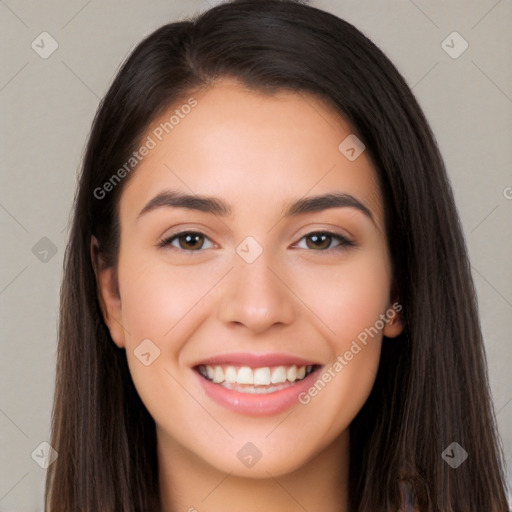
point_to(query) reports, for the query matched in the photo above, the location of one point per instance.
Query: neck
(190, 484)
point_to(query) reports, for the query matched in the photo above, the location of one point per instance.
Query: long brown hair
(432, 385)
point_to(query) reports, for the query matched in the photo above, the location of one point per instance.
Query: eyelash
(344, 242)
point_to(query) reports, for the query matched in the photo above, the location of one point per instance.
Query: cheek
(348, 298)
(157, 297)
(159, 304)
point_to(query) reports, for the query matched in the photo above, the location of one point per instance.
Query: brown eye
(321, 241)
(187, 240)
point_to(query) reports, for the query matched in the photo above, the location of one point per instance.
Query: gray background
(47, 108)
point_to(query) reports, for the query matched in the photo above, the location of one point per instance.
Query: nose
(257, 296)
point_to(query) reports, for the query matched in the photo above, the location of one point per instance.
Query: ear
(108, 294)
(394, 313)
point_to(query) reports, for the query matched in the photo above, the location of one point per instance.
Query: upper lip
(256, 360)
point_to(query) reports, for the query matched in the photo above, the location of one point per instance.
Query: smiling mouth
(260, 380)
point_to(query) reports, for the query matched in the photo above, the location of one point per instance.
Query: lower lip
(257, 404)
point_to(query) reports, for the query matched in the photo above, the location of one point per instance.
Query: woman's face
(257, 290)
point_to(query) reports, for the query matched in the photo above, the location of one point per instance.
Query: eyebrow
(216, 206)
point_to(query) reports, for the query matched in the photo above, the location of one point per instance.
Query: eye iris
(190, 238)
(322, 237)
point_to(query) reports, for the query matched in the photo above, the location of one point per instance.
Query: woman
(267, 300)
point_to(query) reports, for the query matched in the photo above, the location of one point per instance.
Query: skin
(258, 153)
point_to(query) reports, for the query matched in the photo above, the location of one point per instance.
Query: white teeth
(278, 375)
(218, 374)
(245, 376)
(291, 374)
(230, 374)
(263, 376)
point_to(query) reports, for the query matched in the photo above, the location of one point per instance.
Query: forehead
(250, 149)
